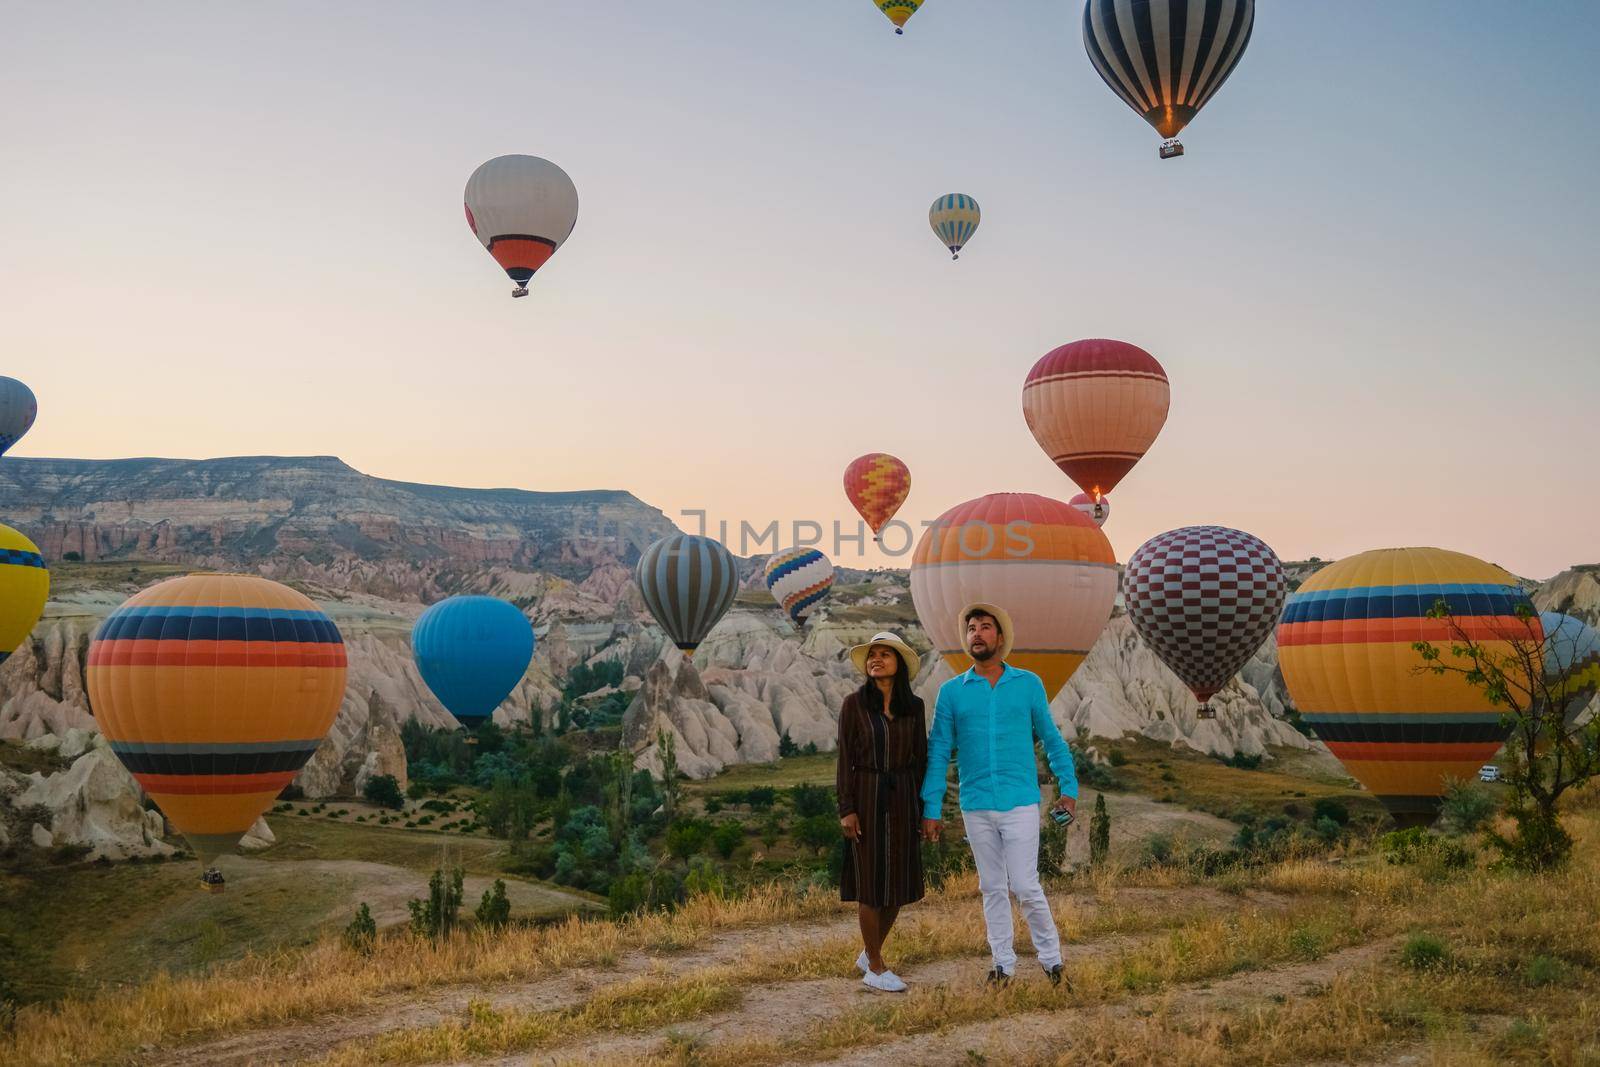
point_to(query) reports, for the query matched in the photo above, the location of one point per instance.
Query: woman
(883, 751)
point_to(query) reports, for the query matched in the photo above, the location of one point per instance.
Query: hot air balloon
(688, 583)
(1204, 598)
(18, 409)
(1098, 510)
(472, 651)
(24, 587)
(522, 208)
(799, 580)
(1345, 649)
(1095, 407)
(898, 11)
(1571, 661)
(214, 690)
(954, 217)
(1041, 560)
(1166, 58)
(877, 484)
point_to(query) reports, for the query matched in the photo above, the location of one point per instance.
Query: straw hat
(858, 654)
(1007, 634)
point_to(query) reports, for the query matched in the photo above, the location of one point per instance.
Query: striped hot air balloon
(1166, 58)
(1204, 598)
(214, 690)
(522, 208)
(472, 651)
(1345, 646)
(688, 582)
(877, 484)
(954, 218)
(898, 11)
(1041, 560)
(18, 409)
(1571, 661)
(1096, 407)
(1097, 510)
(24, 588)
(799, 580)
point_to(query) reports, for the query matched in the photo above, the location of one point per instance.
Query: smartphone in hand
(1063, 817)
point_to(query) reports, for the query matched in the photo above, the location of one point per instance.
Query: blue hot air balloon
(472, 651)
(18, 409)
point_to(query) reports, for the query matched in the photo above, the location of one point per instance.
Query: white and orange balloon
(522, 208)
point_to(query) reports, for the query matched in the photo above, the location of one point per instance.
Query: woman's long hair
(900, 697)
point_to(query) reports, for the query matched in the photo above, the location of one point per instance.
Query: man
(992, 715)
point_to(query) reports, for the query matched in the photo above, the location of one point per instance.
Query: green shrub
(727, 838)
(1243, 762)
(1117, 757)
(1099, 832)
(1466, 807)
(1416, 845)
(1307, 943)
(771, 829)
(384, 790)
(761, 797)
(816, 832)
(1329, 808)
(686, 837)
(494, 910)
(811, 800)
(1544, 970)
(437, 916)
(703, 879)
(1327, 829)
(713, 805)
(1158, 849)
(1168, 776)
(362, 933)
(1423, 952)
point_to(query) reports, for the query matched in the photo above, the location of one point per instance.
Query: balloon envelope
(24, 588)
(954, 218)
(472, 651)
(1166, 58)
(1204, 598)
(1095, 407)
(214, 690)
(18, 409)
(688, 582)
(522, 208)
(1345, 649)
(898, 11)
(1571, 660)
(877, 484)
(1097, 510)
(799, 580)
(1046, 564)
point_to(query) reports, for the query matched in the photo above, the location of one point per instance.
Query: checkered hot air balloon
(522, 208)
(1166, 58)
(954, 218)
(898, 11)
(214, 690)
(1345, 647)
(799, 580)
(877, 484)
(1204, 598)
(1096, 407)
(688, 582)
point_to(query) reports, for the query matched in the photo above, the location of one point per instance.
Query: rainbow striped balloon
(1345, 648)
(799, 580)
(214, 690)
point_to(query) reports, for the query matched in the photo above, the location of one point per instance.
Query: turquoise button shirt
(992, 729)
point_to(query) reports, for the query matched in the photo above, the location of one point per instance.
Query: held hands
(930, 830)
(851, 826)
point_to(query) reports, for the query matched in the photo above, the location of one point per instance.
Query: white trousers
(1005, 845)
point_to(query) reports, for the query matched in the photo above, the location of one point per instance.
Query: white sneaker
(861, 962)
(887, 982)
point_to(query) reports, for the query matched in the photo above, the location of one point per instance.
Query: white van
(1488, 773)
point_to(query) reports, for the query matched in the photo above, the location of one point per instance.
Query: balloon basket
(520, 290)
(1205, 712)
(898, 31)
(1171, 148)
(211, 881)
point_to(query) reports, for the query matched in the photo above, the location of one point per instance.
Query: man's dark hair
(900, 697)
(979, 613)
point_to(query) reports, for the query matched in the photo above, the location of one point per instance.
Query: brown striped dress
(881, 762)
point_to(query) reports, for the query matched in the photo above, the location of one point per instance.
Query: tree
(619, 793)
(494, 910)
(817, 832)
(811, 799)
(362, 932)
(437, 916)
(1099, 832)
(1547, 754)
(686, 837)
(667, 749)
(384, 790)
(727, 838)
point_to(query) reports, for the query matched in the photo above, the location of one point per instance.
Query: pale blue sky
(235, 229)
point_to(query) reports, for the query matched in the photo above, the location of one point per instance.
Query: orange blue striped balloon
(24, 587)
(1345, 646)
(799, 580)
(214, 690)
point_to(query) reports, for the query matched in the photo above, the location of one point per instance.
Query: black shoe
(1057, 976)
(997, 977)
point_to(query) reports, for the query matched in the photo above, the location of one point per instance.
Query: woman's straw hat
(858, 654)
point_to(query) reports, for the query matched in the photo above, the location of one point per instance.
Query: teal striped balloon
(954, 217)
(688, 582)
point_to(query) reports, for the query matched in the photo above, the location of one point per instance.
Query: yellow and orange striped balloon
(214, 690)
(877, 484)
(1047, 564)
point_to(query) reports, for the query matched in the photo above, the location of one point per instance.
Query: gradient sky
(235, 229)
